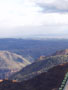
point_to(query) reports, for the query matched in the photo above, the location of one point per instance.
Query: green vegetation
(64, 82)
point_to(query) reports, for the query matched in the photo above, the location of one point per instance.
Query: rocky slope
(10, 63)
(61, 52)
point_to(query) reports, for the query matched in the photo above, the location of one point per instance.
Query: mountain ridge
(40, 66)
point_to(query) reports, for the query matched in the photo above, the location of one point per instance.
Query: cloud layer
(20, 18)
(60, 6)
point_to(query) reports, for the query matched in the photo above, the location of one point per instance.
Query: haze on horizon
(34, 18)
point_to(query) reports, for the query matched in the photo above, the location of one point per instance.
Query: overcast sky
(27, 18)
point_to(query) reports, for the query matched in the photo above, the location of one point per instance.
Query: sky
(33, 18)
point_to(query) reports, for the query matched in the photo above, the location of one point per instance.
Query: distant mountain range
(33, 49)
(41, 65)
(10, 63)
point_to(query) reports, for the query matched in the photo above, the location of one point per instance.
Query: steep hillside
(39, 67)
(50, 80)
(11, 62)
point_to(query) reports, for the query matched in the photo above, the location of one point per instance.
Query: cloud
(29, 13)
(53, 5)
(20, 18)
(18, 13)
